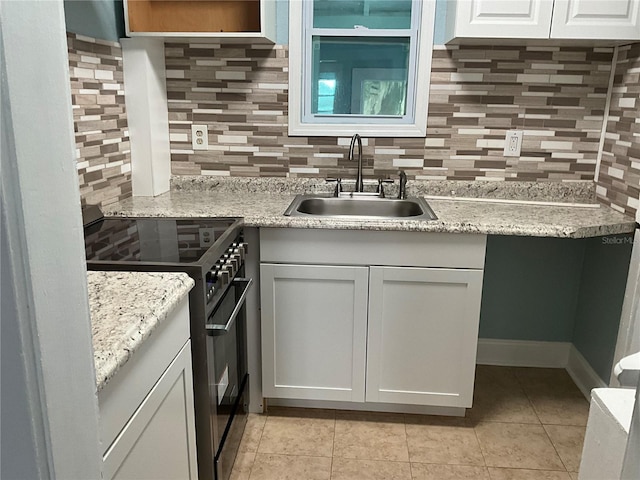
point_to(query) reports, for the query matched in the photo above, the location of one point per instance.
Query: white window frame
(414, 124)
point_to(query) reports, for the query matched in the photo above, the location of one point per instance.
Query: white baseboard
(368, 407)
(583, 375)
(523, 353)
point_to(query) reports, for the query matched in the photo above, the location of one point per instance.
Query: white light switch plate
(513, 143)
(199, 137)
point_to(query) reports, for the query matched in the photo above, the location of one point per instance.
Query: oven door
(228, 377)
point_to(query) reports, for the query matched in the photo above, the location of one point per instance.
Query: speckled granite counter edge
(454, 216)
(119, 328)
(556, 231)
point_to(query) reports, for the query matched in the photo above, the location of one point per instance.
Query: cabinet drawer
(349, 247)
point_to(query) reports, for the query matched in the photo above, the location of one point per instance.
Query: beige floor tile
(568, 442)
(504, 377)
(350, 469)
(370, 436)
(242, 466)
(298, 432)
(499, 397)
(560, 407)
(443, 440)
(252, 432)
(512, 445)
(502, 407)
(520, 474)
(423, 471)
(290, 467)
(555, 379)
(574, 475)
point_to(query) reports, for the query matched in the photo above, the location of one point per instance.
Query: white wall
(51, 365)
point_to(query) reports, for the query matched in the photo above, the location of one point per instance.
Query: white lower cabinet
(422, 335)
(367, 333)
(157, 441)
(147, 417)
(314, 328)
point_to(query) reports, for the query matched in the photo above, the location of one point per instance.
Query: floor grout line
(555, 449)
(333, 445)
(468, 422)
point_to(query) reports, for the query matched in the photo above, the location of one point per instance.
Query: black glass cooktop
(153, 240)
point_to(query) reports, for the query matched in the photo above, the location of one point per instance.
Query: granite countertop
(484, 216)
(125, 308)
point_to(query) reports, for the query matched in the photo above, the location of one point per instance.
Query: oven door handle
(215, 330)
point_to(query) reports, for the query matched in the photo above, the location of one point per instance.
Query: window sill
(347, 130)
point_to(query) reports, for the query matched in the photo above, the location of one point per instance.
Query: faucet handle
(380, 189)
(338, 189)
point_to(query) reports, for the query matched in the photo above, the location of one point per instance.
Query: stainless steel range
(212, 252)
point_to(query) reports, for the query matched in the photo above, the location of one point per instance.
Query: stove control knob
(225, 277)
(229, 267)
(235, 261)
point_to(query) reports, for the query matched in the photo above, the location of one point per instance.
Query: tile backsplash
(557, 95)
(619, 176)
(100, 120)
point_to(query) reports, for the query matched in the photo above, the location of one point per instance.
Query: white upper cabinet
(543, 19)
(610, 19)
(499, 18)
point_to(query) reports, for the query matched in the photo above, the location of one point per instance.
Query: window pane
(361, 76)
(380, 14)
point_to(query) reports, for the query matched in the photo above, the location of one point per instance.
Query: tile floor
(526, 424)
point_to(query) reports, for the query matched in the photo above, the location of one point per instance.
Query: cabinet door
(589, 19)
(503, 18)
(314, 321)
(159, 441)
(423, 335)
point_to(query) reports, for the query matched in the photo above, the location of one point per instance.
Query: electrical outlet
(199, 137)
(207, 237)
(513, 143)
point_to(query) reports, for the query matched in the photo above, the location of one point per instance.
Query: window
(360, 66)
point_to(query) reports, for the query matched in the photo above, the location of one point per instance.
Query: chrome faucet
(359, 182)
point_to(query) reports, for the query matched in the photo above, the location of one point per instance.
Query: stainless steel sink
(412, 208)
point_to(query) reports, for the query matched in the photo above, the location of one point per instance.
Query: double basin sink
(361, 207)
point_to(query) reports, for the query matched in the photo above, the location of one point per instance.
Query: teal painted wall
(604, 277)
(440, 23)
(282, 22)
(102, 19)
(557, 290)
(530, 288)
